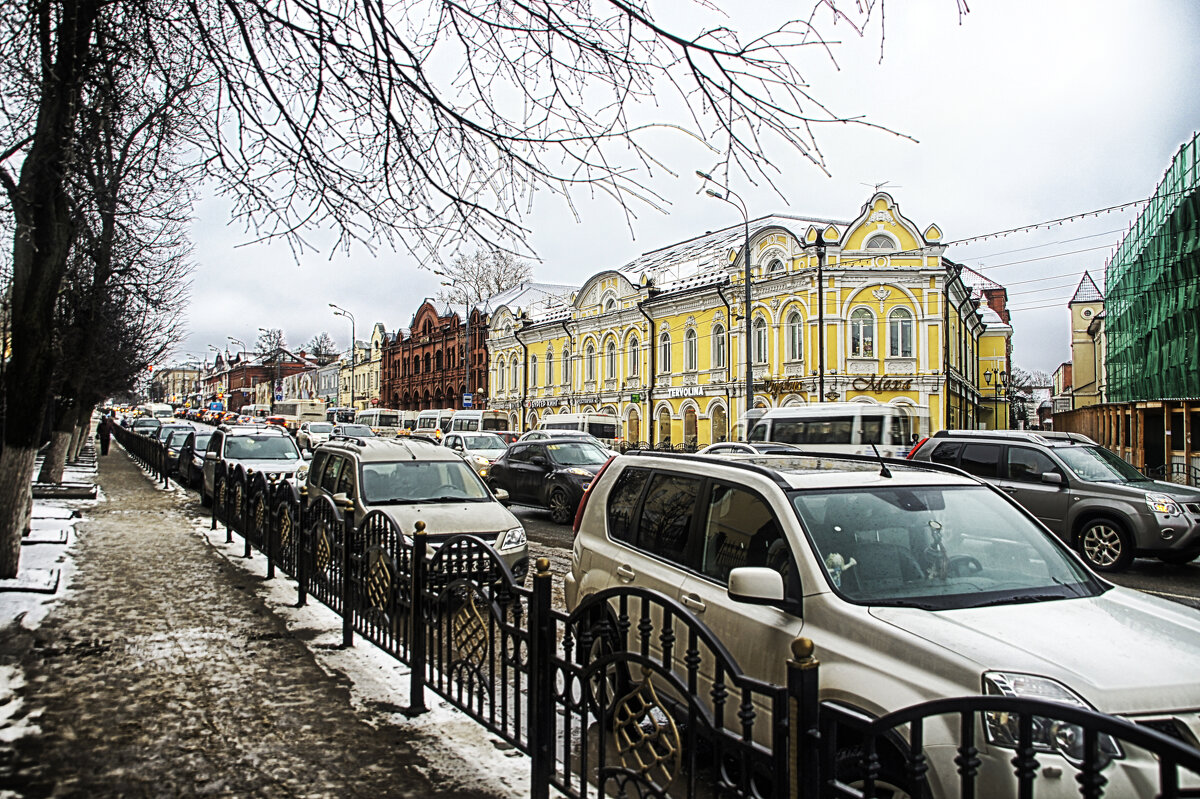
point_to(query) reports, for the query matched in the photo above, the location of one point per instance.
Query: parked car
(313, 434)
(479, 449)
(255, 448)
(413, 480)
(749, 448)
(191, 457)
(145, 425)
(164, 431)
(174, 438)
(550, 474)
(1086, 494)
(916, 582)
(547, 435)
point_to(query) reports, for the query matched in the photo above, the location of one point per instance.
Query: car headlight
(577, 472)
(302, 472)
(1049, 735)
(1161, 503)
(511, 538)
(479, 460)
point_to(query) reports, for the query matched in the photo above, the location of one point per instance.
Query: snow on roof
(978, 282)
(1087, 291)
(529, 294)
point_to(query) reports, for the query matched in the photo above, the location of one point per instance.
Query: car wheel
(1177, 558)
(1105, 545)
(890, 782)
(559, 503)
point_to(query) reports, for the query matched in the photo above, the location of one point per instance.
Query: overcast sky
(1025, 112)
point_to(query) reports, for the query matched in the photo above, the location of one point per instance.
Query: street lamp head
(704, 175)
(987, 376)
(716, 194)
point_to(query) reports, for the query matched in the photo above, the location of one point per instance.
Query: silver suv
(411, 480)
(915, 582)
(255, 448)
(1088, 495)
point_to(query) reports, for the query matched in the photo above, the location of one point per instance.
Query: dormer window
(610, 305)
(880, 242)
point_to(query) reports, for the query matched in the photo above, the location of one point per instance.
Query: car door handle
(625, 572)
(1008, 489)
(694, 602)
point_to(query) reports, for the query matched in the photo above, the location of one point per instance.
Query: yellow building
(867, 310)
(355, 380)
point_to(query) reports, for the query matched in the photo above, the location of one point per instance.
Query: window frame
(760, 348)
(861, 341)
(794, 327)
(901, 332)
(691, 355)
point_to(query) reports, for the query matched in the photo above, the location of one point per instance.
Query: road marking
(1169, 595)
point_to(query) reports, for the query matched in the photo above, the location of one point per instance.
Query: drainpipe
(653, 345)
(728, 345)
(571, 348)
(524, 375)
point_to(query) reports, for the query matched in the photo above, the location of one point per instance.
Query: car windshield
(1099, 465)
(577, 453)
(485, 443)
(320, 427)
(201, 442)
(412, 482)
(165, 432)
(261, 448)
(354, 430)
(936, 547)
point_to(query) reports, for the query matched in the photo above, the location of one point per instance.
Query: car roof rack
(1035, 436)
(773, 474)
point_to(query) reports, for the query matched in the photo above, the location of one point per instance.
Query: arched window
(589, 362)
(513, 374)
(437, 360)
(610, 305)
(900, 333)
(532, 370)
(664, 426)
(634, 356)
(862, 334)
(610, 360)
(775, 267)
(500, 375)
(664, 352)
(718, 346)
(416, 364)
(689, 350)
(720, 424)
(427, 362)
(549, 368)
(880, 242)
(760, 340)
(795, 336)
(566, 369)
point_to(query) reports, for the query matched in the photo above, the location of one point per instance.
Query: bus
(339, 413)
(475, 421)
(434, 422)
(603, 426)
(296, 412)
(382, 421)
(845, 427)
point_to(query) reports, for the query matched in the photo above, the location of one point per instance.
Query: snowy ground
(378, 681)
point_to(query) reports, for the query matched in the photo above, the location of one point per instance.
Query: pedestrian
(104, 431)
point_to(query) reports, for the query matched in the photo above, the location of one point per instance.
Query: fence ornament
(379, 580)
(645, 735)
(469, 632)
(324, 547)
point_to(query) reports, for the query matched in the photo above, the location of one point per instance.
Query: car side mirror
(501, 495)
(1052, 478)
(306, 454)
(538, 460)
(758, 585)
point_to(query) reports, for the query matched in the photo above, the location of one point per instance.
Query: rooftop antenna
(883, 469)
(879, 186)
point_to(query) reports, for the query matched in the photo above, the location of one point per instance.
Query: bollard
(804, 749)
(347, 584)
(416, 620)
(541, 693)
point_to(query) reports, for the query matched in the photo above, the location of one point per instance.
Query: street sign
(468, 399)
(279, 398)
(636, 398)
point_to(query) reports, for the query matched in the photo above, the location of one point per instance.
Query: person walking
(104, 432)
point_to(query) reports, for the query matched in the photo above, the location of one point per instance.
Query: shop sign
(878, 384)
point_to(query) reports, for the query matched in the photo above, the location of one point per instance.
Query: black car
(549, 474)
(191, 457)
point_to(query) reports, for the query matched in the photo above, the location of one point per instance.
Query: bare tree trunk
(55, 459)
(83, 427)
(16, 465)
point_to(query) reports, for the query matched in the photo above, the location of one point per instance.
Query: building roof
(1086, 291)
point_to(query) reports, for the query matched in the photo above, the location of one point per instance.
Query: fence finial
(419, 527)
(543, 567)
(802, 652)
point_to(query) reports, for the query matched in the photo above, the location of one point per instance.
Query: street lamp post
(741, 206)
(454, 283)
(997, 392)
(245, 392)
(339, 311)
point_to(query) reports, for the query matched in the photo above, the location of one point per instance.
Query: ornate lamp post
(997, 392)
(245, 388)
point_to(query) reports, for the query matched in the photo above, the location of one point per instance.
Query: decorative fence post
(272, 516)
(416, 691)
(347, 583)
(302, 544)
(804, 752)
(541, 692)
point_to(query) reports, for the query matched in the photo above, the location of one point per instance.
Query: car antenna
(883, 469)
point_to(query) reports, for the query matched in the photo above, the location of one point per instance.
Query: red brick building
(425, 368)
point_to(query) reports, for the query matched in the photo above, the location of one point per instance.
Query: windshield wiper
(1022, 600)
(907, 603)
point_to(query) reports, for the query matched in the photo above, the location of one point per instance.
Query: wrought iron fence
(1178, 473)
(149, 452)
(632, 695)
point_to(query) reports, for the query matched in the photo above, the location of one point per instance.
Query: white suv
(914, 582)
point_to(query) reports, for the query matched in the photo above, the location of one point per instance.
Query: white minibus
(845, 427)
(296, 412)
(603, 426)
(476, 421)
(258, 411)
(434, 422)
(382, 421)
(157, 410)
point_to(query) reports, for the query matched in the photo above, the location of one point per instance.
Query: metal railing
(149, 452)
(631, 694)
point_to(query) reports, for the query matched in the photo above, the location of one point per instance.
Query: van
(603, 426)
(296, 412)
(477, 421)
(258, 411)
(157, 410)
(852, 428)
(434, 422)
(337, 414)
(382, 421)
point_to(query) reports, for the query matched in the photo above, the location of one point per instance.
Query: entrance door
(1153, 449)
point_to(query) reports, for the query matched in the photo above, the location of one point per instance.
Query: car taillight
(586, 495)
(916, 447)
